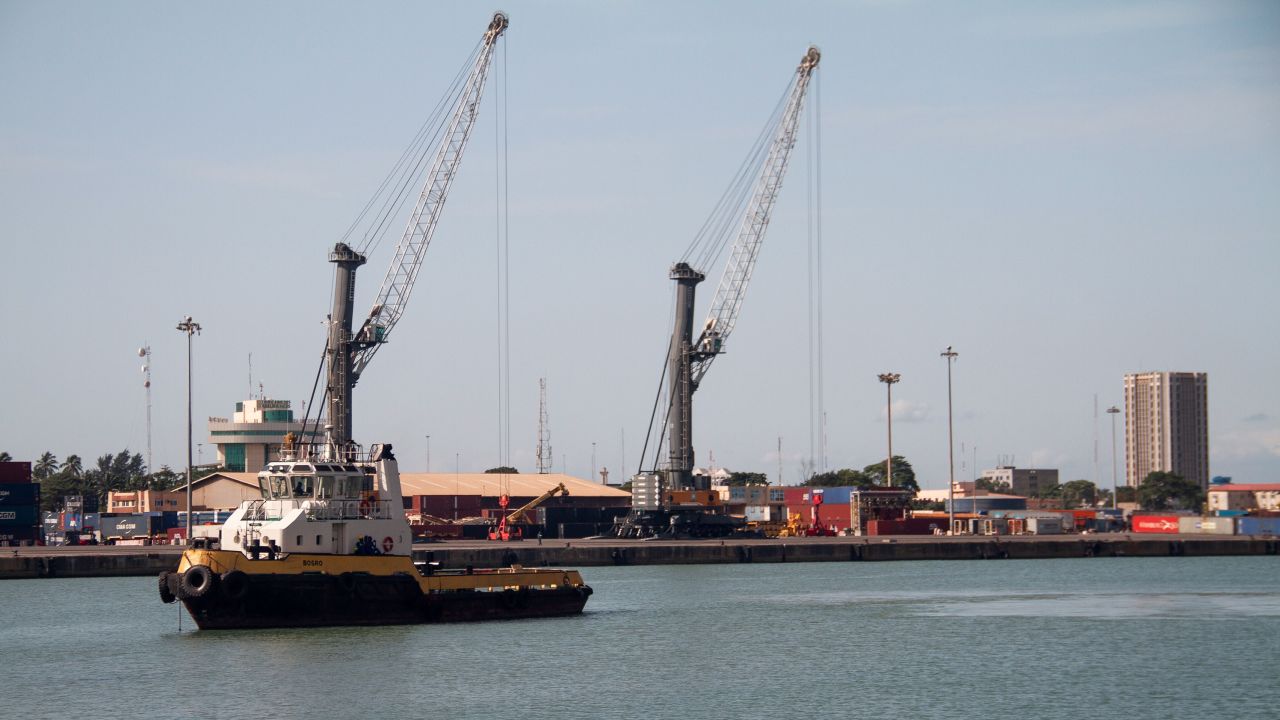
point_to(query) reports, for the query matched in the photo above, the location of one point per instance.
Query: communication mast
(544, 430)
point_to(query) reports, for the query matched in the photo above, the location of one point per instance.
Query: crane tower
(348, 353)
(657, 496)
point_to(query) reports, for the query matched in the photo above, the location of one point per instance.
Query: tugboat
(328, 544)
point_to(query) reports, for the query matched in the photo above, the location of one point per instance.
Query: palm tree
(45, 466)
(73, 465)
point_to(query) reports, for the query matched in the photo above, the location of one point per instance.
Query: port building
(1166, 425)
(252, 436)
(436, 494)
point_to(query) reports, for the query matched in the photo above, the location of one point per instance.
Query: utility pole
(1115, 488)
(889, 379)
(190, 327)
(428, 453)
(951, 355)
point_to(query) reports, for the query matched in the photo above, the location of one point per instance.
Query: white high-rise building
(1166, 425)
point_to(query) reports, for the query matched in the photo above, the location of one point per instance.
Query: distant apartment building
(1166, 425)
(1026, 482)
(143, 501)
(252, 436)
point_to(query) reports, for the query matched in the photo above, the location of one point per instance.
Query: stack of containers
(19, 505)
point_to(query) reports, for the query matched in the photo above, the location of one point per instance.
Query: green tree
(1077, 493)
(746, 478)
(73, 465)
(904, 476)
(5, 457)
(1167, 491)
(504, 470)
(1126, 494)
(44, 467)
(845, 477)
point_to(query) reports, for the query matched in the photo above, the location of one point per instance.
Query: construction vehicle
(656, 510)
(507, 522)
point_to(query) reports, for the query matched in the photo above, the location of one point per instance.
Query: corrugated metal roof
(494, 484)
(486, 484)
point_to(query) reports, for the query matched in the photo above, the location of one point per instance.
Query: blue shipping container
(1258, 526)
(11, 515)
(26, 494)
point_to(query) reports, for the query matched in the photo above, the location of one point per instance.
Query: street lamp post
(190, 327)
(593, 462)
(1115, 488)
(889, 379)
(428, 453)
(951, 355)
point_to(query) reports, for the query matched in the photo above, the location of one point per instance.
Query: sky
(1063, 192)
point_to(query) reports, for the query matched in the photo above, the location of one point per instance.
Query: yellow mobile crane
(503, 531)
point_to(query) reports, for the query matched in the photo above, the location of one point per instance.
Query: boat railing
(325, 452)
(351, 510)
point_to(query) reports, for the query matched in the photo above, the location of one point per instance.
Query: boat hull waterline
(224, 590)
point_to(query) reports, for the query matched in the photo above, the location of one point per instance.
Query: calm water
(1124, 638)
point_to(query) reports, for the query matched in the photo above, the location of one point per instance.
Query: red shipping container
(15, 473)
(1155, 524)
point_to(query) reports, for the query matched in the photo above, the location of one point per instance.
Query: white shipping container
(1044, 525)
(758, 513)
(1207, 525)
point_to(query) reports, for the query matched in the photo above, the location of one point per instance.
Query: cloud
(1046, 458)
(1106, 19)
(1257, 417)
(1244, 444)
(907, 411)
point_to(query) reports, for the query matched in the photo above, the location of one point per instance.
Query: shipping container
(1156, 524)
(129, 526)
(1207, 525)
(1230, 513)
(909, 526)
(15, 473)
(19, 535)
(11, 515)
(757, 513)
(1258, 526)
(19, 494)
(1044, 525)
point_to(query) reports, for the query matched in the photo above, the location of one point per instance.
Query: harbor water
(1129, 638)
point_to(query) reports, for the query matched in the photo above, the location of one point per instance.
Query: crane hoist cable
(406, 174)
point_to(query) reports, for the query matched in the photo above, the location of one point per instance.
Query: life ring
(388, 544)
(196, 582)
(235, 585)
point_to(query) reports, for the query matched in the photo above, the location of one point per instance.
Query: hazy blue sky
(1064, 192)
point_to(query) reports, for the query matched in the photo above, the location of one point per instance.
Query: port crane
(688, 360)
(503, 531)
(348, 353)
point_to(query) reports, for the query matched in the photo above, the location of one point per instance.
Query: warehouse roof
(1244, 487)
(494, 484)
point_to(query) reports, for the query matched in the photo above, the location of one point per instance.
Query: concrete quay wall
(121, 562)
(72, 565)
(602, 553)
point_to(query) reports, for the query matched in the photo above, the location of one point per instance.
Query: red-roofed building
(1259, 496)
